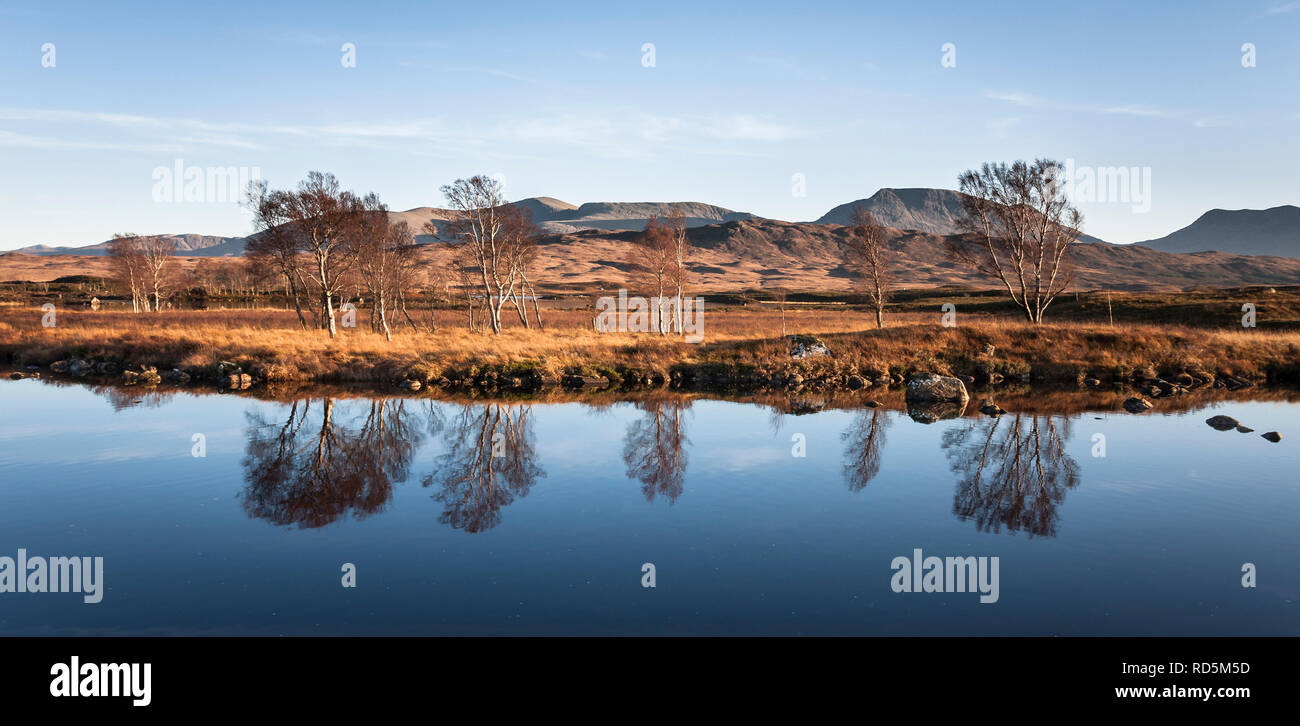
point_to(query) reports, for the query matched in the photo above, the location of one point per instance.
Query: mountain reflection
(487, 462)
(1013, 471)
(320, 463)
(654, 448)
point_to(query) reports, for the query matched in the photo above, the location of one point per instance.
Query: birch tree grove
(128, 266)
(320, 218)
(385, 262)
(1020, 230)
(499, 240)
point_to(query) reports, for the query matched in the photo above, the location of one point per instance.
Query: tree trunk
(383, 318)
(537, 311)
(329, 315)
(297, 303)
(520, 308)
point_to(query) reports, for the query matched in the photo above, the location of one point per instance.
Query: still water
(518, 518)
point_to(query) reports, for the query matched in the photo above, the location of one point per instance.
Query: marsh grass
(269, 343)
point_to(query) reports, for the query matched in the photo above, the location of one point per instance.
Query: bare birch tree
(275, 244)
(385, 262)
(156, 254)
(867, 257)
(479, 228)
(650, 265)
(128, 266)
(1021, 227)
(681, 248)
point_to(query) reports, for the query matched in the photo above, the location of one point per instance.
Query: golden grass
(269, 343)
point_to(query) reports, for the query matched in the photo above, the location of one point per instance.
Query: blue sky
(555, 99)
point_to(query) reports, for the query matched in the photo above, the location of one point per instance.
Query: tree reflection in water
(487, 462)
(654, 448)
(320, 464)
(1013, 470)
(864, 441)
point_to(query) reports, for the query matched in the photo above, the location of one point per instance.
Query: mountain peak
(933, 211)
(1274, 231)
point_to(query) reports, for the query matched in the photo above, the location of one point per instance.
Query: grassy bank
(742, 348)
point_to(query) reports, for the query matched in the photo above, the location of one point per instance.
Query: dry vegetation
(739, 343)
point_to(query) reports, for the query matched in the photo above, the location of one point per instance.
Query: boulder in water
(934, 388)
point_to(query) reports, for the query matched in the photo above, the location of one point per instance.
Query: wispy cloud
(24, 141)
(1019, 99)
(1025, 100)
(492, 72)
(56, 116)
(1003, 123)
(1136, 110)
(1284, 8)
(625, 132)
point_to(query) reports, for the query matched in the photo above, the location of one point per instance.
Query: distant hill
(557, 216)
(1273, 231)
(934, 211)
(188, 245)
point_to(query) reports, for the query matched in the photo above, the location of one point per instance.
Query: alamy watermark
(1108, 185)
(946, 574)
(202, 184)
(54, 574)
(76, 679)
(624, 314)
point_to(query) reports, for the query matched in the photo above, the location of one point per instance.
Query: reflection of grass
(738, 341)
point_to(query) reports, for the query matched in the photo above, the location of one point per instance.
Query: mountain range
(587, 244)
(1274, 232)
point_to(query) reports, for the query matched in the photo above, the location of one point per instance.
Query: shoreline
(1010, 400)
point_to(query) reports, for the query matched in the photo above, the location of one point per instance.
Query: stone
(1137, 404)
(1222, 423)
(141, 375)
(1272, 436)
(60, 366)
(1091, 382)
(409, 385)
(989, 408)
(236, 381)
(934, 388)
(806, 346)
(856, 382)
(79, 367)
(1244, 430)
(177, 376)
